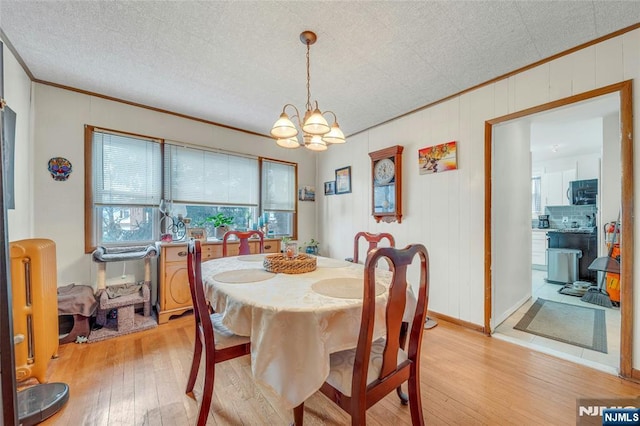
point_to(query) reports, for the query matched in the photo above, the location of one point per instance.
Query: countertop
(583, 230)
(212, 241)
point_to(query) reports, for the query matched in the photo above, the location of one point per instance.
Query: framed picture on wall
(330, 187)
(307, 193)
(343, 180)
(197, 233)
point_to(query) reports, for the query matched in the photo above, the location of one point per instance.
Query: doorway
(505, 266)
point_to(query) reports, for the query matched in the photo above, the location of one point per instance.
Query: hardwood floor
(467, 378)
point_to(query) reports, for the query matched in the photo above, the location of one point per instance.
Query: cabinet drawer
(539, 248)
(175, 254)
(271, 246)
(211, 251)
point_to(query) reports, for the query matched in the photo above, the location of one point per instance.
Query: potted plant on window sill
(221, 224)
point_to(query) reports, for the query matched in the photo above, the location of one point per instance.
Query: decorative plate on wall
(60, 168)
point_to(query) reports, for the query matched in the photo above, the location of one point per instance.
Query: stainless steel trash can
(562, 265)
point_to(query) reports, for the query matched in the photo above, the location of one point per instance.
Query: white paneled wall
(583, 70)
(446, 211)
(511, 269)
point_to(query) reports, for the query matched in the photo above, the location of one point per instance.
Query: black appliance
(585, 240)
(543, 221)
(583, 192)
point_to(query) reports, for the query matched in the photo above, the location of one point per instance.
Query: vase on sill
(312, 250)
(221, 230)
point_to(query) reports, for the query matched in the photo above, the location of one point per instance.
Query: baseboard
(456, 321)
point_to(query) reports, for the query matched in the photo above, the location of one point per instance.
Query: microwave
(583, 192)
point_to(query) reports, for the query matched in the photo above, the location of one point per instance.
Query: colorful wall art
(60, 168)
(438, 158)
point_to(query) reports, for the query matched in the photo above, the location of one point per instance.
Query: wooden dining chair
(244, 241)
(220, 343)
(360, 377)
(372, 239)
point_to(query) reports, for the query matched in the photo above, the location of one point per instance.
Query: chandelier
(316, 133)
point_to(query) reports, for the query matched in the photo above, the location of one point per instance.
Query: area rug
(111, 328)
(572, 324)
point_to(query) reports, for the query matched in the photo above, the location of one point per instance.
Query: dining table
(294, 321)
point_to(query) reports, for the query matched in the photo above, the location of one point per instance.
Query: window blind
(126, 170)
(278, 186)
(197, 176)
(536, 205)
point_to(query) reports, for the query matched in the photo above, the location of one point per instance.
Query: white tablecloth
(293, 329)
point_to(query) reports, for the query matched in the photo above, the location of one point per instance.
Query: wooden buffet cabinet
(174, 297)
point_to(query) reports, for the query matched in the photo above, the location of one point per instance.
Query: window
(536, 197)
(201, 183)
(126, 178)
(129, 175)
(279, 202)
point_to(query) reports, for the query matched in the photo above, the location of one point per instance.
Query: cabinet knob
(182, 253)
(267, 247)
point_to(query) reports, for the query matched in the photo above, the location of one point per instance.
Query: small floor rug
(111, 328)
(572, 324)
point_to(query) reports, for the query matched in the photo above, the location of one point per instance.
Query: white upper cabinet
(554, 186)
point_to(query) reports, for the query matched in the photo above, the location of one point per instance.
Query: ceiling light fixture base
(308, 37)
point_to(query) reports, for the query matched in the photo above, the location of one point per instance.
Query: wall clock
(386, 184)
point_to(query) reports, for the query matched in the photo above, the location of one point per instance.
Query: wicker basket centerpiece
(298, 264)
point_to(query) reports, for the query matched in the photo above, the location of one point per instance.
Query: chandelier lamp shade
(316, 132)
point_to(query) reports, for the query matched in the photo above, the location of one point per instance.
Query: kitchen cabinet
(174, 296)
(553, 187)
(539, 249)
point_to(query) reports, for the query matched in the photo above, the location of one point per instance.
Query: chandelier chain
(308, 79)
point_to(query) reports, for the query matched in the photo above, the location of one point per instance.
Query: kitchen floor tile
(540, 288)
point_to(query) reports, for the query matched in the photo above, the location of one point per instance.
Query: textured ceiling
(237, 63)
